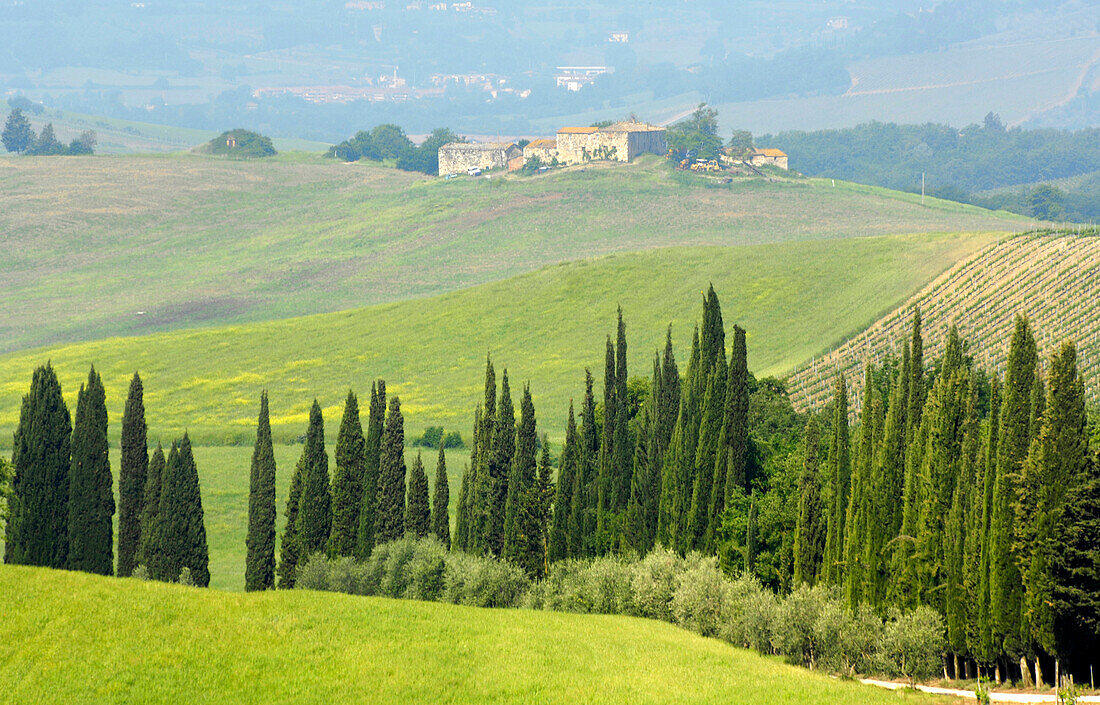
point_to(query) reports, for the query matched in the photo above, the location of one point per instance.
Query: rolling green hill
(70, 637)
(102, 246)
(795, 300)
(1053, 280)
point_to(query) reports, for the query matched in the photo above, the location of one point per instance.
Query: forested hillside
(987, 165)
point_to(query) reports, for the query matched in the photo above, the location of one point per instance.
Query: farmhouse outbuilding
(459, 157)
(621, 141)
(769, 156)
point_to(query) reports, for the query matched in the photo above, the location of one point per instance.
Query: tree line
(62, 504)
(953, 491)
(18, 138)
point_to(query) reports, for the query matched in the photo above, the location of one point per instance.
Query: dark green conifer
(710, 428)
(441, 501)
(38, 529)
(290, 549)
(809, 539)
(481, 492)
(418, 514)
(839, 478)
(259, 571)
(585, 492)
(501, 454)
(390, 520)
(1057, 461)
(540, 505)
(315, 505)
(859, 502)
(677, 473)
(623, 448)
(181, 525)
(1006, 586)
(732, 462)
(558, 544)
(91, 498)
(645, 486)
(521, 481)
(605, 492)
(133, 469)
(149, 553)
(372, 448)
(347, 482)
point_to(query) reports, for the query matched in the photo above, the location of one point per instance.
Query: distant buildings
(461, 157)
(620, 141)
(576, 77)
(769, 156)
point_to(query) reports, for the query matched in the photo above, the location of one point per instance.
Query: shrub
(912, 644)
(599, 586)
(483, 582)
(654, 581)
(395, 573)
(140, 572)
(795, 636)
(752, 615)
(426, 570)
(703, 598)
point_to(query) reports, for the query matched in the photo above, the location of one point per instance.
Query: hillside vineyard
(970, 495)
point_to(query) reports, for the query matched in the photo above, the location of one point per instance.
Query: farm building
(546, 151)
(621, 141)
(769, 156)
(459, 157)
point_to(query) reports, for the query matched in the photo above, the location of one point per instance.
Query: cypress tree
(148, 553)
(583, 524)
(677, 480)
(541, 505)
(372, 449)
(390, 520)
(133, 469)
(1075, 569)
(887, 505)
(501, 456)
(916, 388)
(859, 502)
(668, 406)
(558, 544)
(713, 340)
(183, 532)
(347, 483)
(1058, 459)
(706, 452)
(521, 483)
(731, 471)
(1006, 587)
(641, 512)
(839, 474)
(290, 550)
(809, 539)
(315, 505)
(441, 500)
(951, 547)
(982, 645)
(623, 449)
(605, 495)
(91, 499)
(461, 522)
(38, 529)
(418, 515)
(259, 571)
(481, 486)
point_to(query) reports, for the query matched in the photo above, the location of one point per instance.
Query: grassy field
(795, 300)
(101, 246)
(1053, 281)
(116, 136)
(70, 637)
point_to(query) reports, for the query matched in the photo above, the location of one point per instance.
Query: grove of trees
(18, 138)
(61, 505)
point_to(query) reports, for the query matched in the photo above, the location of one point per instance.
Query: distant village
(621, 142)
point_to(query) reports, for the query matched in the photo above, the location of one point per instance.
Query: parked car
(473, 171)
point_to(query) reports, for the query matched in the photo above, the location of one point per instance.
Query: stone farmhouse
(769, 156)
(621, 141)
(460, 157)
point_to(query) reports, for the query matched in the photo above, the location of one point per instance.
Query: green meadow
(795, 300)
(124, 245)
(71, 637)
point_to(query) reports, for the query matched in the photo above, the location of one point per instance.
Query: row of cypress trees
(365, 502)
(63, 502)
(506, 492)
(955, 492)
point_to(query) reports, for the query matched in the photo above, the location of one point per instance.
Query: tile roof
(578, 130)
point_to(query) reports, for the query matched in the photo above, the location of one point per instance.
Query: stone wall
(459, 157)
(619, 142)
